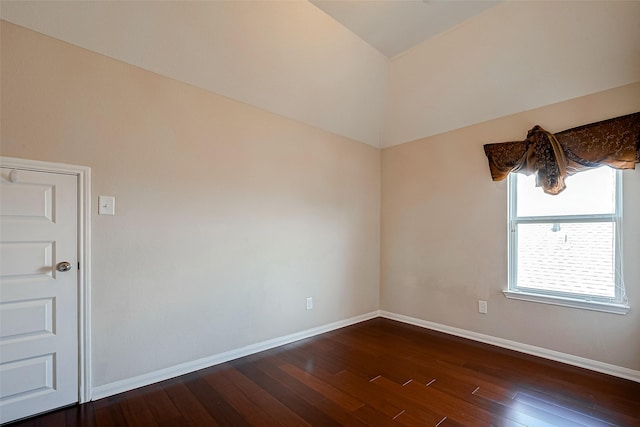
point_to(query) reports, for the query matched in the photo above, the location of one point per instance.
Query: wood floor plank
(254, 414)
(432, 400)
(108, 411)
(290, 399)
(386, 399)
(550, 410)
(81, 416)
(135, 410)
(54, 418)
(375, 373)
(320, 401)
(407, 418)
(344, 400)
(311, 355)
(373, 417)
(264, 400)
(214, 403)
(192, 411)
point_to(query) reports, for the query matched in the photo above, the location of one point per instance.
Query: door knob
(63, 266)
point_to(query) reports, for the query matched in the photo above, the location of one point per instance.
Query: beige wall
(227, 216)
(444, 237)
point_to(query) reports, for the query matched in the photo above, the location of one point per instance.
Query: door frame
(83, 175)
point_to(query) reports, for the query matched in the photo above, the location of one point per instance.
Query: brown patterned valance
(552, 157)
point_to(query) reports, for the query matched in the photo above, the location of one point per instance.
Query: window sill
(569, 302)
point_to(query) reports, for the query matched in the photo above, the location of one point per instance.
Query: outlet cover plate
(482, 307)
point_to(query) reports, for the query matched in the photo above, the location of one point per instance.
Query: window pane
(589, 192)
(575, 258)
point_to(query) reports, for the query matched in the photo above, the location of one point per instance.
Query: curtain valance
(552, 157)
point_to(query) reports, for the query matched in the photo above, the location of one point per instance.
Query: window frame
(617, 304)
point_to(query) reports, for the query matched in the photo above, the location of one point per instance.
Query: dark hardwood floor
(375, 373)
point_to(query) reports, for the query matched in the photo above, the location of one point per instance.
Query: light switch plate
(106, 205)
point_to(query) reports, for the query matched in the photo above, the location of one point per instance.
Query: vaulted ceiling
(379, 72)
(393, 27)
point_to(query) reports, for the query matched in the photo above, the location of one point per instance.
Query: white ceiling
(394, 26)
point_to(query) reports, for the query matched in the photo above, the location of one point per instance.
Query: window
(565, 249)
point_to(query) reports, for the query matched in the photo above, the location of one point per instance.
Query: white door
(38, 292)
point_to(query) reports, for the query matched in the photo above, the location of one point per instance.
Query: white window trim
(616, 306)
(584, 304)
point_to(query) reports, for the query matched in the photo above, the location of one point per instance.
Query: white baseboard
(569, 359)
(185, 368)
(127, 384)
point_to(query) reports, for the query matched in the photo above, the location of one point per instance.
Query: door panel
(27, 378)
(27, 201)
(38, 304)
(25, 319)
(26, 259)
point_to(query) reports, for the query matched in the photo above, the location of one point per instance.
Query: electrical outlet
(310, 303)
(482, 307)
